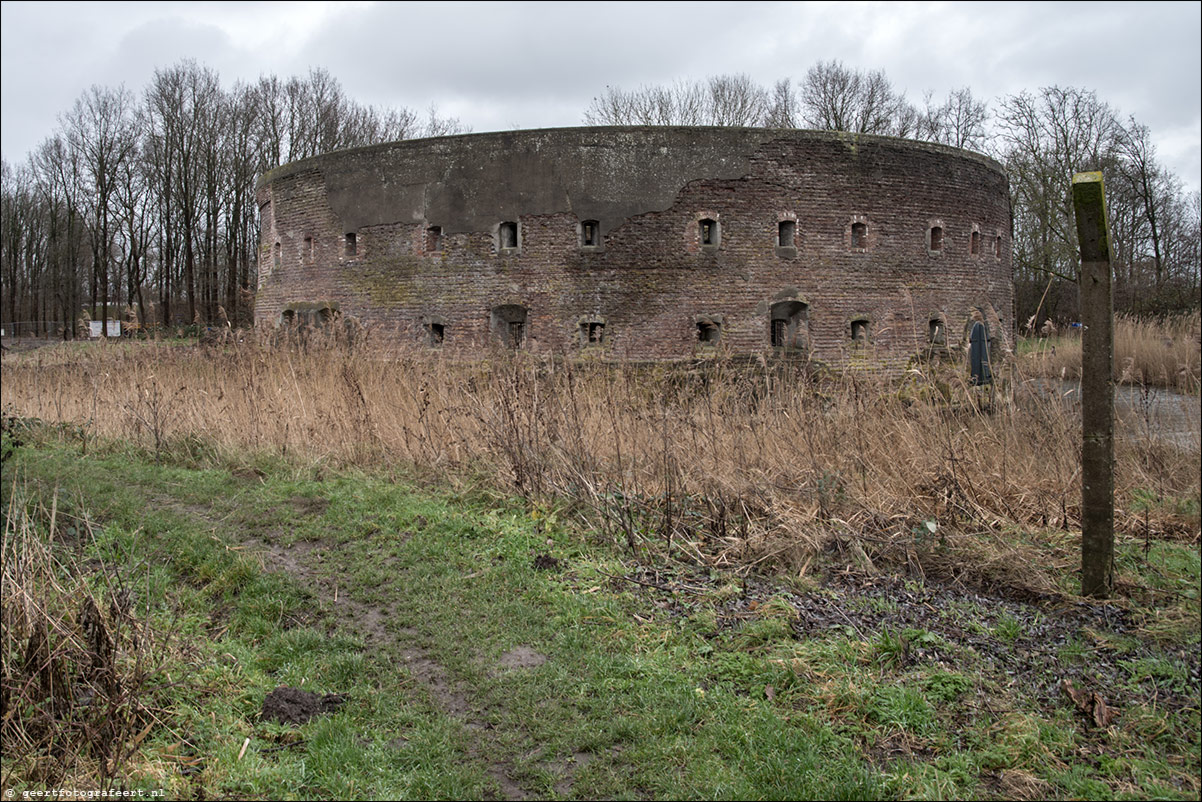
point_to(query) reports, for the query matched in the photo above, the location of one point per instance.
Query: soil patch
(521, 657)
(293, 706)
(1020, 642)
(545, 562)
(309, 506)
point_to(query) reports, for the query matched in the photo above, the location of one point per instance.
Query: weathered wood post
(1097, 387)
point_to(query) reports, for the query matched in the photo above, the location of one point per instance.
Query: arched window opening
(786, 234)
(709, 330)
(860, 331)
(789, 326)
(859, 235)
(936, 332)
(508, 325)
(592, 332)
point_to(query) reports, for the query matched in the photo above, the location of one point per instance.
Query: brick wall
(651, 283)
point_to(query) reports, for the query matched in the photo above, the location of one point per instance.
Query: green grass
(406, 601)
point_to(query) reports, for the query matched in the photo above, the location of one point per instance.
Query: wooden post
(1097, 387)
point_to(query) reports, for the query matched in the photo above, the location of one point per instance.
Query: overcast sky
(509, 65)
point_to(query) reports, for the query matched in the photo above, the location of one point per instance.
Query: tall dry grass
(74, 656)
(721, 461)
(1163, 353)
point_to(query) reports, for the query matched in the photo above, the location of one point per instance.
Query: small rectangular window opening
(351, 246)
(997, 246)
(509, 235)
(976, 243)
(786, 233)
(434, 239)
(708, 230)
(277, 256)
(309, 248)
(859, 331)
(589, 234)
(936, 238)
(708, 333)
(438, 333)
(592, 333)
(859, 235)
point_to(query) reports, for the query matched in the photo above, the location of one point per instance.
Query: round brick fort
(645, 243)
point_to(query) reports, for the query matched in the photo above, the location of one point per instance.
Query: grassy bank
(485, 647)
(526, 578)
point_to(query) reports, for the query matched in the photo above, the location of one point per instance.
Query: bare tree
(719, 100)
(168, 201)
(57, 174)
(649, 105)
(829, 94)
(735, 100)
(101, 131)
(1046, 138)
(1158, 273)
(18, 220)
(960, 121)
(783, 107)
(134, 211)
(241, 221)
(434, 125)
(836, 98)
(1150, 185)
(184, 108)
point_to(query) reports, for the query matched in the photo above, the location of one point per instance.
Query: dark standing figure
(978, 354)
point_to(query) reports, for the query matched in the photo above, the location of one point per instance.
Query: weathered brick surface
(651, 279)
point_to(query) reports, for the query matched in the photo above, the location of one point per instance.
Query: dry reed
(1161, 353)
(731, 462)
(74, 658)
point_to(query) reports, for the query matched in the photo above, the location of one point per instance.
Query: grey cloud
(502, 65)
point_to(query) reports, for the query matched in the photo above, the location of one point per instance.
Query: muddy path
(314, 565)
(340, 608)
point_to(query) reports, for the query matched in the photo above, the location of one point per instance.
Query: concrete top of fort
(467, 182)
